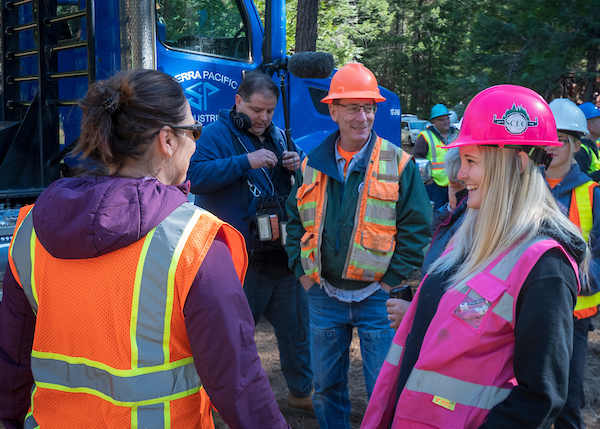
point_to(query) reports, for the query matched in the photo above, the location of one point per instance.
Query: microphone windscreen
(311, 65)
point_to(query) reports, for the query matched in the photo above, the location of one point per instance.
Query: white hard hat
(568, 116)
(453, 116)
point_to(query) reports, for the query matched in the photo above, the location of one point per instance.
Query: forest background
(446, 51)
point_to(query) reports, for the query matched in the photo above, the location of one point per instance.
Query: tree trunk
(306, 25)
(591, 81)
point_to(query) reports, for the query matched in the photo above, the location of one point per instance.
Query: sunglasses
(196, 129)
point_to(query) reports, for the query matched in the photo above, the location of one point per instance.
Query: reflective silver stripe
(377, 261)
(503, 268)
(459, 391)
(310, 175)
(127, 388)
(151, 416)
(307, 215)
(504, 308)
(21, 253)
(394, 354)
(30, 423)
(432, 146)
(380, 212)
(153, 293)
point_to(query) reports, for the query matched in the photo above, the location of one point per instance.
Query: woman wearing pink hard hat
(487, 339)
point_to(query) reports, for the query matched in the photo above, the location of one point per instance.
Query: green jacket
(413, 219)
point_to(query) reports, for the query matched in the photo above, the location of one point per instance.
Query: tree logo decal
(516, 120)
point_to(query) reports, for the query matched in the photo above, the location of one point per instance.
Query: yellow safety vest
(436, 155)
(594, 161)
(375, 222)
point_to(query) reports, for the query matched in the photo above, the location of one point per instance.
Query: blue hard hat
(590, 110)
(438, 110)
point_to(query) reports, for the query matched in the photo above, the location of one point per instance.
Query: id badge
(472, 310)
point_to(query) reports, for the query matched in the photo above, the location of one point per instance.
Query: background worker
(430, 145)
(359, 218)
(242, 170)
(578, 197)
(446, 221)
(497, 306)
(588, 156)
(122, 302)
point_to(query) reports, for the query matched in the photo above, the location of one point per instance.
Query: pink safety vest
(465, 366)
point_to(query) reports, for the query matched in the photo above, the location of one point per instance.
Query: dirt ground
(297, 419)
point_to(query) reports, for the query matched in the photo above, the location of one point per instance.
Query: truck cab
(52, 50)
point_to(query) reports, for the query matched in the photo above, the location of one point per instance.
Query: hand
(306, 282)
(290, 160)
(396, 308)
(262, 158)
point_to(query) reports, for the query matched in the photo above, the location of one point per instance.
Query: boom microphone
(311, 65)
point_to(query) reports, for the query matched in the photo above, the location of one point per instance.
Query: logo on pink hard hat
(516, 120)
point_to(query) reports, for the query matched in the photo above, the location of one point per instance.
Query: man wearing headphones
(242, 172)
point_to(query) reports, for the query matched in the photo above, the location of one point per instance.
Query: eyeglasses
(196, 129)
(564, 141)
(353, 109)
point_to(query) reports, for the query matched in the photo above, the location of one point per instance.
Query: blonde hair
(572, 142)
(514, 208)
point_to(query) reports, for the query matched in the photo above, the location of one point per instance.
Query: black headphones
(243, 122)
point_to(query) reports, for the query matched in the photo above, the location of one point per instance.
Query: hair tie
(111, 105)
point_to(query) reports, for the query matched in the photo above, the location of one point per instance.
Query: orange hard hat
(353, 81)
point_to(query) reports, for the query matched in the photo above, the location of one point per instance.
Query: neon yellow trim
(304, 253)
(381, 203)
(135, 304)
(584, 205)
(307, 205)
(376, 221)
(113, 371)
(134, 417)
(171, 283)
(584, 302)
(32, 256)
(167, 415)
(30, 412)
(311, 271)
(367, 267)
(119, 403)
(383, 164)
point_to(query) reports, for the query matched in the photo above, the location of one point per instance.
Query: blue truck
(52, 50)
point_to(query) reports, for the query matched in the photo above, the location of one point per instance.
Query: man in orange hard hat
(359, 217)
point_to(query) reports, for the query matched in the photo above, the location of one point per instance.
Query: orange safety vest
(375, 222)
(110, 347)
(581, 214)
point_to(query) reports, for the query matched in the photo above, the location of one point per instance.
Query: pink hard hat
(507, 115)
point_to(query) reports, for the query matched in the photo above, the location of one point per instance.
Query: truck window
(203, 26)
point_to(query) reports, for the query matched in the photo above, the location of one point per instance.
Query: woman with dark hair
(123, 304)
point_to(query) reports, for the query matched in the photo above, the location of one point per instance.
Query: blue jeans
(331, 323)
(273, 291)
(571, 416)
